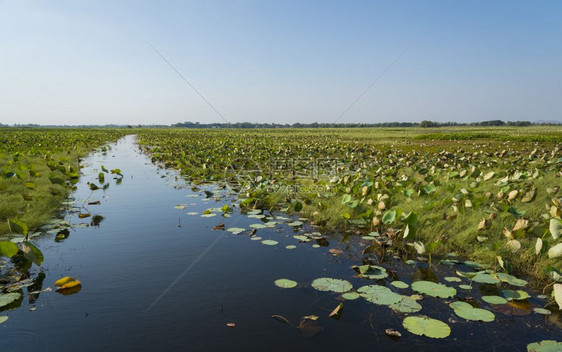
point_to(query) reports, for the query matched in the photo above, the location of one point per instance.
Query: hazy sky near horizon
(89, 62)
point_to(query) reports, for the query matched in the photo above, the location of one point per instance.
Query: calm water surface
(149, 284)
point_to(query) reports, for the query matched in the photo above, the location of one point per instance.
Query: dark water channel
(149, 284)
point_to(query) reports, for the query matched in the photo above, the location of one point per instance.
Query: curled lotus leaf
(433, 289)
(426, 326)
(330, 284)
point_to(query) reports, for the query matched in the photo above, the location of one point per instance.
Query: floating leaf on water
(3, 318)
(392, 333)
(280, 318)
(236, 230)
(484, 278)
(510, 279)
(410, 262)
(350, 295)
(518, 295)
(256, 238)
(374, 272)
(269, 242)
(468, 312)
(315, 245)
(494, 299)
(336, 313)
(379, 295)
(295, 223)
(8, 298)
(256, 216)
(335, 251)
(465, 287)
(285, 283)
(433, 289)
(330, 284)
(180, 206)
(258, 226)
(310, 317)
(426, 326)
(449, 262)
(542, 311)
(452, 279)
(291, 246)
(208, 215)
(545, 346)
(399, 284)
(406, 305)
(301, 238)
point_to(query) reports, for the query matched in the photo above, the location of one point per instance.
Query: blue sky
(88, 62)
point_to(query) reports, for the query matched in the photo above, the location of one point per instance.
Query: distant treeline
(424, 123)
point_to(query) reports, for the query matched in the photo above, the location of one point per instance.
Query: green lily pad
(399, 284)
(379, 295)
(256, 216)
(350, 296)
(484, 278)
(256, 238)
(545, 346)
(426, 326)
(329, 284)
(291, 246)
(8, 298)
(3, 318)
(258, 226)
(295, 223)
(269, 242)
(285, 283)
(371, 271)
(494, 299)
(406, 305)
(468, 312)
(452, 279)
(301, 238)
(518, 295)
(236, 230)
(208, 215)
(542, 311)
(465, 287)
(432, 289)
(510, 279)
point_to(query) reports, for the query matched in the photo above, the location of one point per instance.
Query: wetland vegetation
(456, 227)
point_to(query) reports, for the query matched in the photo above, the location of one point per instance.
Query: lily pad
(468, 312)
(465, 287)
(494, 299)
(544, 346)
(435, 290)
(256, 238)
(484, 278)
(371, 271)
(542, 311)
(426, 326)
(399, 284)
(295, 223)
(330, 284)
(406, 305)
(350, 296)
(452, 279)
(269, 242)
(291, 246)
(3, 318)
(236, 230)
(8, 298)
(285, 283)
(518, 295)
(379, 295)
